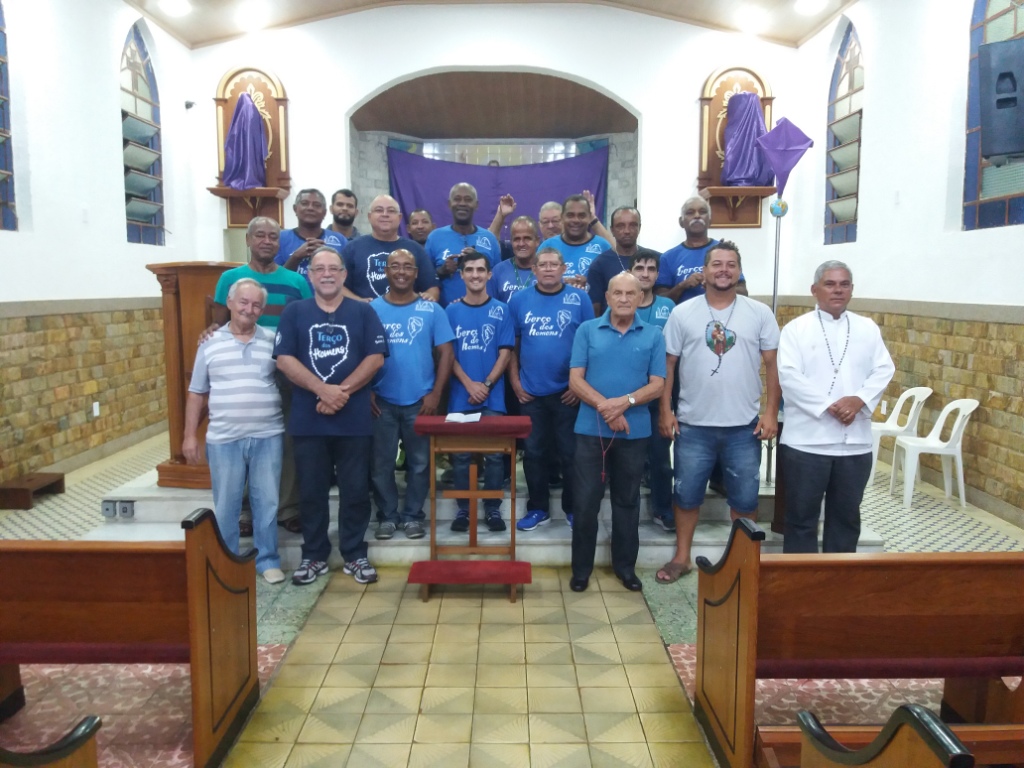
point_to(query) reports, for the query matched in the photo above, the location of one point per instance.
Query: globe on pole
(778, 207)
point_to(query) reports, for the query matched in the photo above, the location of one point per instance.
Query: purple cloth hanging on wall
(245, 149)
(745, 164)
(419, 182)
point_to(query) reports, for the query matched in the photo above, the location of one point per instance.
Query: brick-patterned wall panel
(56, 366)
(957, 359)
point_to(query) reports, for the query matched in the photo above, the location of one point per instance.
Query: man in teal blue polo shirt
(617, 366)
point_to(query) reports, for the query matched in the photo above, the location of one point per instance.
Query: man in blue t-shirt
(516, 273)
(546, 317)
(618, 364)
(484, 337)
(366, 257)
(444, 245)
(625, 224)
(330, 349)
(578, 246)
(681, 272)
(406, 386)
(655, 310)
(297, 245)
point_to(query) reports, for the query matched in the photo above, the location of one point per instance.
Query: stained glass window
(140, 132)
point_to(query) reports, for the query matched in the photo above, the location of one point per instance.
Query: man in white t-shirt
(716, 345)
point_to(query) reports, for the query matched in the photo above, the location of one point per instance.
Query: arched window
(8, 218)
(140, 129)
(842, 158)
(993, 196)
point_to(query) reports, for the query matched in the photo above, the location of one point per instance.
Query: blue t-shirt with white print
(481, 332)
(413, 330)
(545, 325)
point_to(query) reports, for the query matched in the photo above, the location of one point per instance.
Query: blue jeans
(658, 452)
(259, 458)
(394, 423)
(494, 471)
(697, 450)
(551, 436)
(318, 461)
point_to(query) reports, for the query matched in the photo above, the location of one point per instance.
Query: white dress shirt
(806, 372)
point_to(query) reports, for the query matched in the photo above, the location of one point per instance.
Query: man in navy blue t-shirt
(366, 257)
(330, 348)
(546, 317)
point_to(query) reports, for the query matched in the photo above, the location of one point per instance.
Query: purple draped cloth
(245, 150)
(783, 146)
(418, 182)
(745, 164)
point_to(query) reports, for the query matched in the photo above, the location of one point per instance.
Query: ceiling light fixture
(809, 7)
(252, 15)
(176, 8)
(751, 19)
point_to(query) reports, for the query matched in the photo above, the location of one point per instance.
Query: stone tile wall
(961, 357)
(57, 364)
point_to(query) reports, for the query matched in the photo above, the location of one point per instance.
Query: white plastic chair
(909, 448)
(891, 426)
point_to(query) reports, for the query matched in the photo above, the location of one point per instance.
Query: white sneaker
(274, 575)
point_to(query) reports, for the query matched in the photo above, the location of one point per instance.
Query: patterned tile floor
(376, 677)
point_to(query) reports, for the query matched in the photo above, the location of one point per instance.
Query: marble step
(152, 504)
(549, 544)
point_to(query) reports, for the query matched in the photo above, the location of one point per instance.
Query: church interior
(896, 184)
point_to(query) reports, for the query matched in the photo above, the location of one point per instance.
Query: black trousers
(840, 480)
(623, 465)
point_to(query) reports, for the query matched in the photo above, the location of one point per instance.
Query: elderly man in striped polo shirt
(234, 377)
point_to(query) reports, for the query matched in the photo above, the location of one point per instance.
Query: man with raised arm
(407, 386)
(834, 368)
(715, 345)
(330, 348)
(577, 244)
(513, 275)
(617, 368)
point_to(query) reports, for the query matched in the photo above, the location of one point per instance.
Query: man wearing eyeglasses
(330, 349)
(407, 386)
(366, 257)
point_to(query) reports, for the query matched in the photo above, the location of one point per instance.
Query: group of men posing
(613, 350)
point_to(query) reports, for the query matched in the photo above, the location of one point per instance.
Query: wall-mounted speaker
(1001, 66)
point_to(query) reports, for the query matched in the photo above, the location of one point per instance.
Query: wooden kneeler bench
(76, 749)
(491, 434)
(958, 616)
(17, 494)
(191, 602)
(913, 736)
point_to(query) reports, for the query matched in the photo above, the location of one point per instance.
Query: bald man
(617, 367)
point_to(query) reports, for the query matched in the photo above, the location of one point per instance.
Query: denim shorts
(696, 451)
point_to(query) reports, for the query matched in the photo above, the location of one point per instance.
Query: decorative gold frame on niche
(268, 94)
(730, 206)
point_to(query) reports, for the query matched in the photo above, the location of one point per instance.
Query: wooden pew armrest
(79, 742)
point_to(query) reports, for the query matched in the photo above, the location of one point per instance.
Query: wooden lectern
(187, 288)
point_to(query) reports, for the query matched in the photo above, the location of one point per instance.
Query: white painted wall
(68, 147)
(64, 60)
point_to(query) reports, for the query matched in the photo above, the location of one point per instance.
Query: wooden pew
(913, 736)
(957, 616)
(191, 602)
(76, 749)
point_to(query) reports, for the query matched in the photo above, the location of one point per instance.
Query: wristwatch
(488, 383)
(631, 399)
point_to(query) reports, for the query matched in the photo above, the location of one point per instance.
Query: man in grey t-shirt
(716, 344)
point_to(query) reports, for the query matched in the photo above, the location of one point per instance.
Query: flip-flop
(673, 572)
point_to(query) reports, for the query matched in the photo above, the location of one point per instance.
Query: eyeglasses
(328, 270)
(384, 210)
(548, 265)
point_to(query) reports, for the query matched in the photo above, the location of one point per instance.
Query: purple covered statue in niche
(745, 164)
(245, 150)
